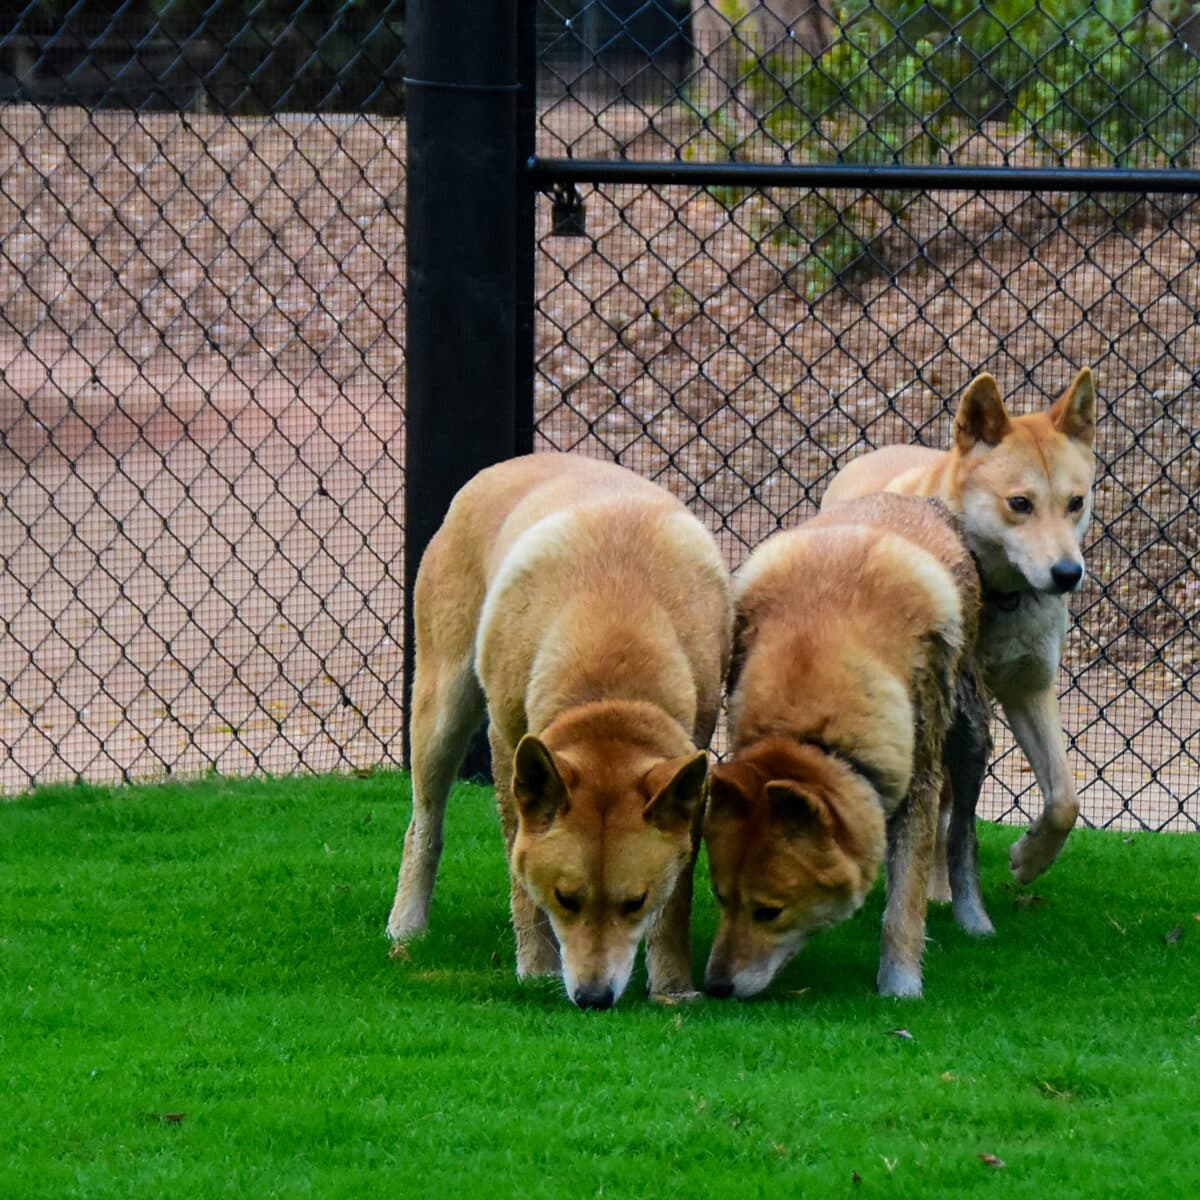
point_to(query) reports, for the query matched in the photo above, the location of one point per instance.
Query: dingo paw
(900, 981)
(1035, 851)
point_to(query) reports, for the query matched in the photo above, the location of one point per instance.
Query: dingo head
(1024, 485)
(605, 831)
(795, 839)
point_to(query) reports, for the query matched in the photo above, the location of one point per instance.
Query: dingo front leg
(1037, 725)
(537, 947)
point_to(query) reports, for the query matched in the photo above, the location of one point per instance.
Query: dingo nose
(594, 996)
(1066, 575)
(721, 989)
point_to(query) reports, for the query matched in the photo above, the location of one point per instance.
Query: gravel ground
(202, 401)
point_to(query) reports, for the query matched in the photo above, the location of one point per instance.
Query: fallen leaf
(805, 991)
(399, 951)
(947, 1077)
(990, 1160)
(1196, 916)
(1028, 902)
(901, 1033)
(1116, 925)
(780, 1149)
(1054, 1091)
(1173, 935)
(172, 1118)
(855, 1177)
(664, 998)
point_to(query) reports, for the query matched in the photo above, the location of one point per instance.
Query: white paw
(403, 927)
(899, 981)
(972, 919)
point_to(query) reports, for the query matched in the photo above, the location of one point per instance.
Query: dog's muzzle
(719, 989)
(1066, 575)
(594, 996)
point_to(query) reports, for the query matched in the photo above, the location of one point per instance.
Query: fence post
(463, 181)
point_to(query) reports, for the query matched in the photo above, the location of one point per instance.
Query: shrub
(909, 82)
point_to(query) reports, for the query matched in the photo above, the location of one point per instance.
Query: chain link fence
(742, 342)
(201, 412)
(201, 343)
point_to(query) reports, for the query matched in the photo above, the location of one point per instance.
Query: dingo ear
(982, 416)
(801, 812)
(1074, 412)
(676, 790)
(537, 784)
(731, 786)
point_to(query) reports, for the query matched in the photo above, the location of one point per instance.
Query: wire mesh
(740, 344)
(201, 417)
(201, 341)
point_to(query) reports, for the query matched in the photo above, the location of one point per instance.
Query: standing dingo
(1022, 487)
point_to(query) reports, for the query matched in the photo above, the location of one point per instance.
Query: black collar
(864, 770)
(1000, 601)
(1004, 601)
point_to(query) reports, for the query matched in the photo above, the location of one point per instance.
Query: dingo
(1022, 487)
(589, 613)
(853, 681)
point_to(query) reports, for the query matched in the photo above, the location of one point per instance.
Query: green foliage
(196, 999)
(911, 82)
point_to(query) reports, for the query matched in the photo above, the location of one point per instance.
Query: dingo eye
(629, 907)
(767, 913)
(1075, 504)
(571, 904)
(1020, 504)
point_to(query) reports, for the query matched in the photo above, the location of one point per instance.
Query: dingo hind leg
(968, 749)
(447, 710)
(912, 832)
(447, 707)
(939, 873)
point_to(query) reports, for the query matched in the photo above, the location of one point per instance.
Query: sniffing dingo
(589, 614)
(854, 681)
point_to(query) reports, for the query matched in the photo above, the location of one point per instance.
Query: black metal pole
(463, 173)
(527, 65)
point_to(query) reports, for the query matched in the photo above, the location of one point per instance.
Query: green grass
(196, 1000)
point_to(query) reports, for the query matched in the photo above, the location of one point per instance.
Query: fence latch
(567, 218)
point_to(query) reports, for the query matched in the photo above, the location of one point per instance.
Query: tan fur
(853, 635)
(590, 614)
(1029, 561)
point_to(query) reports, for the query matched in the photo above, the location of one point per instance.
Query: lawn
(196, 999)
